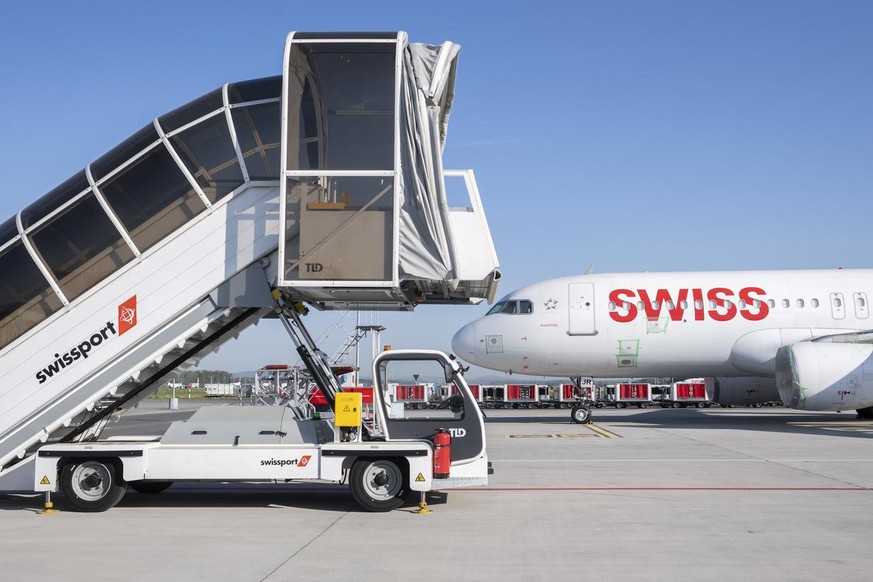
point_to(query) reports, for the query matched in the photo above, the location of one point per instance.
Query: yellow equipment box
(348, 409)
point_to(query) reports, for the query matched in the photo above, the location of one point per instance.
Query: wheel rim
(91, 481)
(382, 480)
(581, 414)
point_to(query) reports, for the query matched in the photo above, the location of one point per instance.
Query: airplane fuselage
(664, 324)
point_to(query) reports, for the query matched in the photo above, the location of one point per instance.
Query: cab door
(581, 309)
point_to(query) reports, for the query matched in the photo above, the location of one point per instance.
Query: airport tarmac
(656, 494)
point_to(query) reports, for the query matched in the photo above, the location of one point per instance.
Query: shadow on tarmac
(768, 420)
(335, 498)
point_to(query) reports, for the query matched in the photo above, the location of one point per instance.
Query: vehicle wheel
(701, 405)
(378, 485)
(621, 405)
(865, 413)
(581, 415)
(665, 405)
(643, 404)
(150, 487)
(676, 405)
(91, 485)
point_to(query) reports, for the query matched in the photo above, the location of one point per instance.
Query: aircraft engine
(743, 391)
(825, 376)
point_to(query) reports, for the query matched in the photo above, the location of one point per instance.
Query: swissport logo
(126, 315)
(81, 351)
(301, 462)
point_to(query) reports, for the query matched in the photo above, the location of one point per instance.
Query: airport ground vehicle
(694, 392)
(384, 461)
(235, 196)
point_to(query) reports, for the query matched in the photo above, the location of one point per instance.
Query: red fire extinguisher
(442, 454)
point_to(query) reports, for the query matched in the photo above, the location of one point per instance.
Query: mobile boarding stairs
(324, 185)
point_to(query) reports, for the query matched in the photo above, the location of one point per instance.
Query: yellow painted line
(529, 436)
(602, 431)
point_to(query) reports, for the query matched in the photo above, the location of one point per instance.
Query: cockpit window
(497, 307)
(512, 306)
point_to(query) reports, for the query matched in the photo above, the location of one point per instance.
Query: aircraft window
(800, 303)
(742, 304)
(80, 246)
(771, 303)
(625, 305)
(510, 307)
(525, 306)
(712, 304)
(655, 306)
(861, 302)
(258, 131)
(26, 298)
(612, 305)
(497, 307)
(838, 302)
(641, 305)
(786, 303)
(815, 303)
(698, 304)
(683, 304)
(728, 303)
(208, 153)
(152, 197)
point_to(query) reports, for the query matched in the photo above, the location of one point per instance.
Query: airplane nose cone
(464, 343)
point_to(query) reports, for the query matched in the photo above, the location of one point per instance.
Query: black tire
(643, 404)
(598, 405)
(580, 415)
(676, 405)
(865, 413)
(91, 485)
(620, 405)
(150, 487)
(701, 405)
(378, 484)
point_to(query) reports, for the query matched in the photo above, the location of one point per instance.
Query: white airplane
(803, 336)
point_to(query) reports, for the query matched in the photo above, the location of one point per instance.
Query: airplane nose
(464, 343)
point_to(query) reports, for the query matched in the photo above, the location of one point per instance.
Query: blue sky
(631, 136)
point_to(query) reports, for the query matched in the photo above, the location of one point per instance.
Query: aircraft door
(581, 309)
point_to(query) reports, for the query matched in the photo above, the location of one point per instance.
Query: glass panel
(124, 151)
(498, 307)
(344, 95)
(8, 231)
(56, 198)
(26, 298)
(258, 129)
(339, 229)
(190, 111)
(207, 151)
(421, 382)
(152, 198)
(81, 247)
(255, 90)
